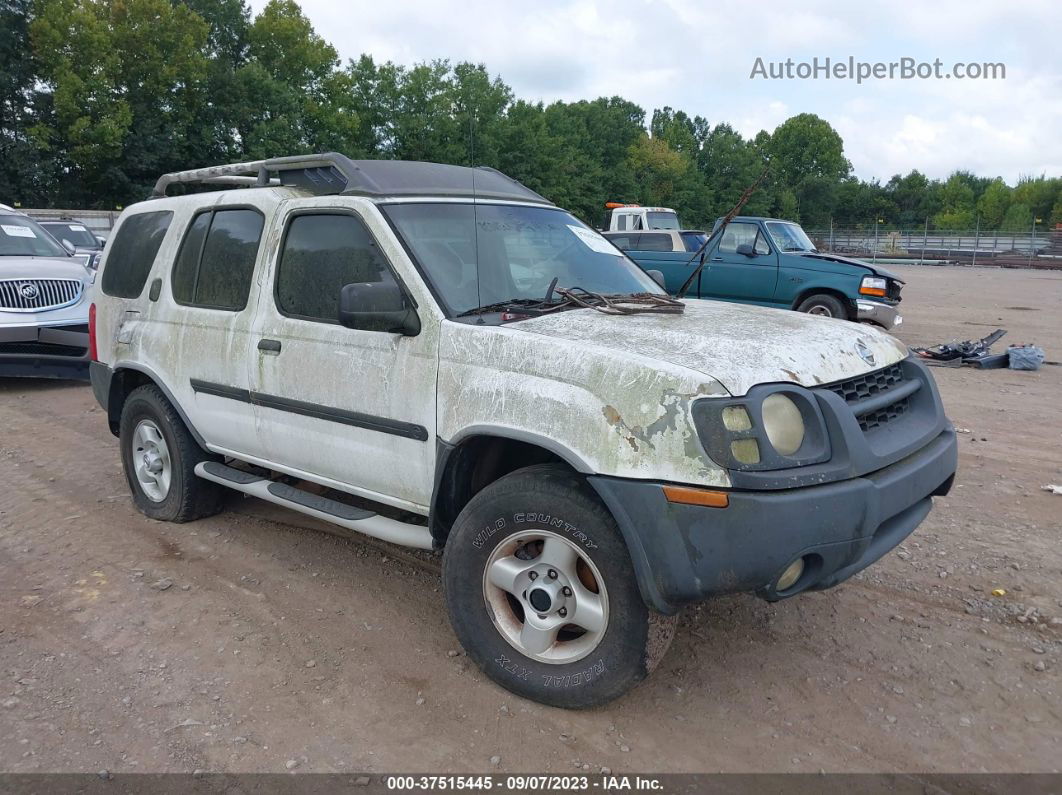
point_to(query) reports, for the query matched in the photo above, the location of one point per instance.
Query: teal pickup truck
(770, 262)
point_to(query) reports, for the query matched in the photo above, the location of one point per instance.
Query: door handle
(269, 346)
(717, 259)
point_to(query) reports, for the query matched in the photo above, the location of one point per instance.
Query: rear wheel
(159, 457)
(542, 594)
(824, 305)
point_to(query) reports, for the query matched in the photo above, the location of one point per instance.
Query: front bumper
(685, 553)
(45, 350)
(885, 315)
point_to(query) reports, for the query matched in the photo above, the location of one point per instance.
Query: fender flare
(157, 381)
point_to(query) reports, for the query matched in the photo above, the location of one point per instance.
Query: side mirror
(377, 306)
(746, 249)
(657, 277)
(70, 249)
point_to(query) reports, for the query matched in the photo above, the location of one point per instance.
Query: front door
(349, 406)
(740, 277)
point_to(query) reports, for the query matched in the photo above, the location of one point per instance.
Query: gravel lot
(253, 641)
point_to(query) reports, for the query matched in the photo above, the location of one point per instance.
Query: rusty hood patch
(739, 346)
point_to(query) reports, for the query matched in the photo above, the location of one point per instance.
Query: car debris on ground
(978, 353)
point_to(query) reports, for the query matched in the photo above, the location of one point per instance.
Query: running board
(339, 513)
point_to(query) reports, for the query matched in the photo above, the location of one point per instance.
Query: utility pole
(1032, 240)
(977, 237)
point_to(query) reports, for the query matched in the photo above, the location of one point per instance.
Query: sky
(698, 55)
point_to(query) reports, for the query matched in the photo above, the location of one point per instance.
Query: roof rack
(331, 173)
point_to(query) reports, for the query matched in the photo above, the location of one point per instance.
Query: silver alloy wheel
(820, 309)
(151, 460)
(546, 597)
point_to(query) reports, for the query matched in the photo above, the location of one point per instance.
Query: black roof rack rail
(331, 173)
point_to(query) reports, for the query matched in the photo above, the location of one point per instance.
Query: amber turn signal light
(688, 496)
(871, 291)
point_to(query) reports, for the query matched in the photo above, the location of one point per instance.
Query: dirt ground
(280, 647)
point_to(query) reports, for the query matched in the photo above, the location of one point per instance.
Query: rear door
(198, 320)
(354, 407)
(739, 277)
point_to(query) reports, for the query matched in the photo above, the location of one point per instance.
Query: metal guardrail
(915, 241)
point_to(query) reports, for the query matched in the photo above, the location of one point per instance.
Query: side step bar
(361, 521)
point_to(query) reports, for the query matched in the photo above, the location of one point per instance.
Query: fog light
(745, 451)
(790, 575)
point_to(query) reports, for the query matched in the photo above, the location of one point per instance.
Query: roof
(333, 173)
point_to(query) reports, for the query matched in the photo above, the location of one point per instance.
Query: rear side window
(215, 265)
(321, 253)
(694, 240)
(649, 241)
(132, 252)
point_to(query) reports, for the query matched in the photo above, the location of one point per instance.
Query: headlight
(783, 423)
(774, 426)
(873, 285)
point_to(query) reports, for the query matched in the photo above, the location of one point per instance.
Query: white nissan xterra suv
(437, 356)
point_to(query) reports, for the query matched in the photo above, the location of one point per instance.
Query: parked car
(44, 302)
(411, 351)
(631, 217)
(771, 262)
(76, 234)
(662, 240)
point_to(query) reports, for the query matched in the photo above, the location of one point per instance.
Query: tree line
(99, 97)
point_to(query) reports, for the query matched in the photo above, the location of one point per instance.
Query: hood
(43, 268)
(739, 346)
(836, 258)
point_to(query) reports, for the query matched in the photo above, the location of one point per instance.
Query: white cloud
(697, 56)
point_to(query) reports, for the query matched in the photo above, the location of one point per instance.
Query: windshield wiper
(501, 306)
(618, 303)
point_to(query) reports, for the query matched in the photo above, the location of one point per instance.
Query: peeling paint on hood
(739, 346)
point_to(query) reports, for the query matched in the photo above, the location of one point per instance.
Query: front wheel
(542, 594)
(824, 305)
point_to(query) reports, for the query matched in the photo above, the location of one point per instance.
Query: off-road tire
(550, 496)
(824, 301)
(189, 497)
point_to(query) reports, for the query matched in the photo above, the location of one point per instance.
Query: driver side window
(740, 233)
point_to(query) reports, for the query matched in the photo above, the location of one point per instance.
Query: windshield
(662, 220)
(78, 234)
(21, 236)
(790, 237)
(479, 255)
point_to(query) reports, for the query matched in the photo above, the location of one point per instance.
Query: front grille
(893, 292)
(882, 416)
(38, 295)
(855, 390)
(40, 349)
(868, 385)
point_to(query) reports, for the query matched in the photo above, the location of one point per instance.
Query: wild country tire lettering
(584, 677)
(542, 519)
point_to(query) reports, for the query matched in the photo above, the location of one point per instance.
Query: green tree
(958, 203)
(993, 204)
(807, 158)
(112, 67)
(1019, 218)
(26, 168)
